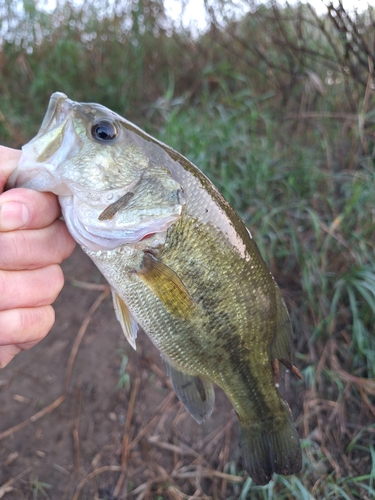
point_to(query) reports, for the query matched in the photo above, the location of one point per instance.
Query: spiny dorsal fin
(167, 286)
(196, 394)
(129, 325)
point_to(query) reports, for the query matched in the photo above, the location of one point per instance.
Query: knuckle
(36, 322)
(64, 240)
(44, 209)
(55, 278)
(4, 284)
(10, 324)
(13, 247)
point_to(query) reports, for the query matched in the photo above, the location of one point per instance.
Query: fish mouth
(55, 141)
(59, 108)
(133, 224)
(97, 237)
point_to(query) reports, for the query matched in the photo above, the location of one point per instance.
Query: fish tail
(265, 452)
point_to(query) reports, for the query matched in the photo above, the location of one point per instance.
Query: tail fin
(265, 452)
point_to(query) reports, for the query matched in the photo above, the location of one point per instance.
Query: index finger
(8, 161)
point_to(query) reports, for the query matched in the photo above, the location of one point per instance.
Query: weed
(39, 488)
(124, 377)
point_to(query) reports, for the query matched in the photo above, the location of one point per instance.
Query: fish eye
(104, 131)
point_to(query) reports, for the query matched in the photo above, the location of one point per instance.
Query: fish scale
(170, 334)
(181, 264)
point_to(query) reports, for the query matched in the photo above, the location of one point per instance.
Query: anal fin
(129, 325)
(196, 394)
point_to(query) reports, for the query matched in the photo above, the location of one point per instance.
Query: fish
(181, 264)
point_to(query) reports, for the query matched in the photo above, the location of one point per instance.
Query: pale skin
(33, 242)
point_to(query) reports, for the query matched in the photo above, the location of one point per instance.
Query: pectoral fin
(167, 286)
(129, 325)
(280, 348)
(196, 394)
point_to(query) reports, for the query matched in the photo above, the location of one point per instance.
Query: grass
(315, 227)
(124, 377)
(39, 489)
(304, 186)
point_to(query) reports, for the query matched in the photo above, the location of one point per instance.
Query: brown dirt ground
(93, 440)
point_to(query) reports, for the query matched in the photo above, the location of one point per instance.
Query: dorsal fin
(280, 348)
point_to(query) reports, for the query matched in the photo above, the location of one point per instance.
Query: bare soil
(84, 416)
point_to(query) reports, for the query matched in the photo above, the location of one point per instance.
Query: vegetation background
(276, 105)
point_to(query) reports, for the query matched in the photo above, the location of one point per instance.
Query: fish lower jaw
(96, 242)
(97, 239)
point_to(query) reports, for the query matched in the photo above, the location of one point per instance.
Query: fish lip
(93, 239)
(58, 102)
(37, 171)
(148, 224)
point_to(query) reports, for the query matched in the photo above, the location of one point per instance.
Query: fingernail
(13, 215)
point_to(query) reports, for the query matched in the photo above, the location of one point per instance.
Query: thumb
(8, 161)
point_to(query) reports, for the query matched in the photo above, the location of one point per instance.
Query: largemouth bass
(181, 265)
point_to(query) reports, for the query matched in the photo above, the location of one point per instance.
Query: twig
(88, 286)
(81, 333)
(77, 453)
(96, 472)
(228, 435)
(173, 448)
(6, 487)
(33, 418)
(331, 460)
(125, 441)
(219, 433)
(202, 473)
(209, 473)
(159, 410)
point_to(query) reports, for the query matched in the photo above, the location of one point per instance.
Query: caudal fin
(265, 452)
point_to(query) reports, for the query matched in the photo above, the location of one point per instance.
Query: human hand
(32, 244)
